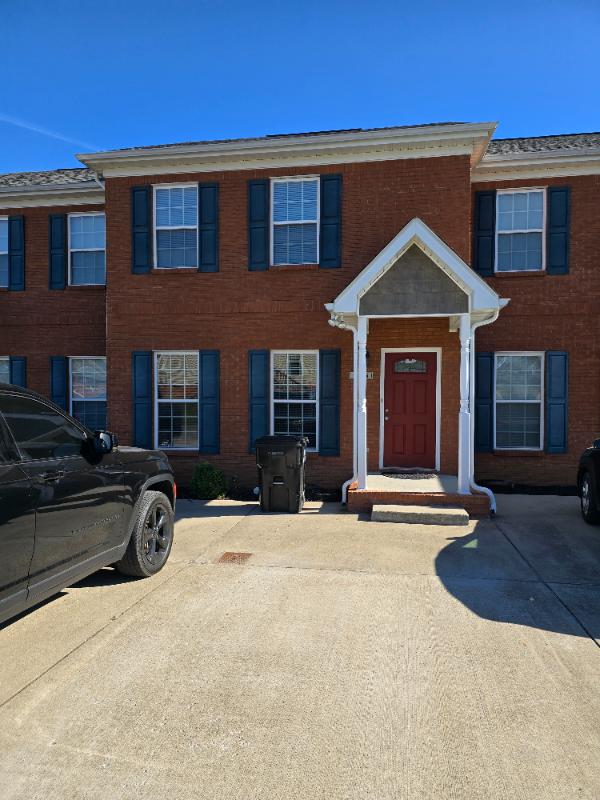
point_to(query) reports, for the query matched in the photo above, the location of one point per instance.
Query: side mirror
(105, 442)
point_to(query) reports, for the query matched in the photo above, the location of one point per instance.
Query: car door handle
(51, 475)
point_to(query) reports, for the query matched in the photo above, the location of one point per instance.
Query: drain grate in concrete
(234, 558)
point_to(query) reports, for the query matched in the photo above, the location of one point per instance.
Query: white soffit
(417, 232)
(339, 147)
(553, 163)
(70, 194)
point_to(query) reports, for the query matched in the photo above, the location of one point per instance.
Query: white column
(464, 417)
(361, 410)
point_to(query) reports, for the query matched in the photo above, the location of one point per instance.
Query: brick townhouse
(409, 298)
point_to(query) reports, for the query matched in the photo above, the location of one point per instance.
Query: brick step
(420, 515)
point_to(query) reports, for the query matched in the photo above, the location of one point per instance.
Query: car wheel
(589, 509)
(151, 538)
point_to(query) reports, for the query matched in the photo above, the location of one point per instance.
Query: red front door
(409, 410)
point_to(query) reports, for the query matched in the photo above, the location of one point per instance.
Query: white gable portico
(416, 276)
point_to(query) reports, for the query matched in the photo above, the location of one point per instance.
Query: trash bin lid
(282, 438)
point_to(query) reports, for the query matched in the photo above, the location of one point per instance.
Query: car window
(4, 457)
(39, 431)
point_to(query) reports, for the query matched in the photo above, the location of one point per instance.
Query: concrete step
(420, 515)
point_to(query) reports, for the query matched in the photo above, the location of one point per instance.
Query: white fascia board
(70, 194)
(417, 232)
(417, 142)
(556, 163)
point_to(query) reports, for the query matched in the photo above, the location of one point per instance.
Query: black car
(588, 483)
(73, 501)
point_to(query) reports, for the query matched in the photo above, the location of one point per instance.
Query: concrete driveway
(343, 659)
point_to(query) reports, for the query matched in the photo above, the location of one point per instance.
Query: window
(518, 396)
(39, 431)
(177, 399)
(4, 370)
(4, 251)
(87, 242)
(295, 216)
(88, 392)
(410, 365)
(295, 394)
(176, 223)
(519, 230)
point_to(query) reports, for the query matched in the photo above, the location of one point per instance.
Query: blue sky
(121, 73)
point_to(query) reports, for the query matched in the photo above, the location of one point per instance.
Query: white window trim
(523, 190)
(314, 449)
(70, 359)
(85, 249)
(438, 398)
(155, 229)
(7, 359)
(272, 222)
(4, 217)
(531, 402)
(156, 354)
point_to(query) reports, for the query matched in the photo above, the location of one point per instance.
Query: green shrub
(208, 483)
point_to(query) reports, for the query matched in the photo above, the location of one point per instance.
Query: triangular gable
(481, 296)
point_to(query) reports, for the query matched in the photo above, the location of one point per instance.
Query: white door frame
(438, 397)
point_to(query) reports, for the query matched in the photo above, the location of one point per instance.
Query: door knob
(386, 417)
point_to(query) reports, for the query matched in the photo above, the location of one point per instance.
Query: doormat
(410, 476)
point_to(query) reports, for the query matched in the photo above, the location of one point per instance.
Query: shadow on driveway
(537, 564)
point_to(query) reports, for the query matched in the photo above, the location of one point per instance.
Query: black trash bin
(280, 460)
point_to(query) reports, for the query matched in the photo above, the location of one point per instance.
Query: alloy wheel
(585, 494)
(157, 536)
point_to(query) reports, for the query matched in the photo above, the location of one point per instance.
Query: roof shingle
(53, 176)
(544, 144)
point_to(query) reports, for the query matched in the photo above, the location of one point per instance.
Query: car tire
(151, 538)
(589, 509)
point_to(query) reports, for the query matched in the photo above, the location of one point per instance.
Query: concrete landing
(420, 515)
(447, 484)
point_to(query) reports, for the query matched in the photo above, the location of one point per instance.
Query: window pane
(88, 268)
(178, 425)
(177, 249)
(520, 211)
(295, 376)
(4, 370)
(297, 418)
(39, 431)
(295, 244)
(177, 206)
(3, 236)
(518, 378)
(519, 251)
(90, 413)
(295, 200)
(177, 376)
(88, 378)
(87, 232)
(517, 425)
(4, 270)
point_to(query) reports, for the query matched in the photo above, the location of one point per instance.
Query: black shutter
(484, 402)
(16, 254)
(559, 212)
(258, 226)
(59, 381)
(258, 395)
(557, 399)
(141, 229)
(330, 248)
(329, 402)
(208, 417)
(57, 238)
(208, 227)
(141, 368)
(17, 370)
(485, 229)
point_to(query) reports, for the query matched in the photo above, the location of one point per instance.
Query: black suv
(72, 501)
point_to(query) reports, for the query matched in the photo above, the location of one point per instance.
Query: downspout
(98, 181)
(475, 486)
(338, 322)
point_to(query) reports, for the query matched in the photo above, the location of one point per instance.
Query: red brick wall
(235, 310)
(39, 322)
(554, 312)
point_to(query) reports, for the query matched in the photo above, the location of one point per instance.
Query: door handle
(51, 475)
(386, 417)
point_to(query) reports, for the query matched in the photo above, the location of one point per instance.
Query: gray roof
(59, 177)
(284, 135)
(544, 144)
